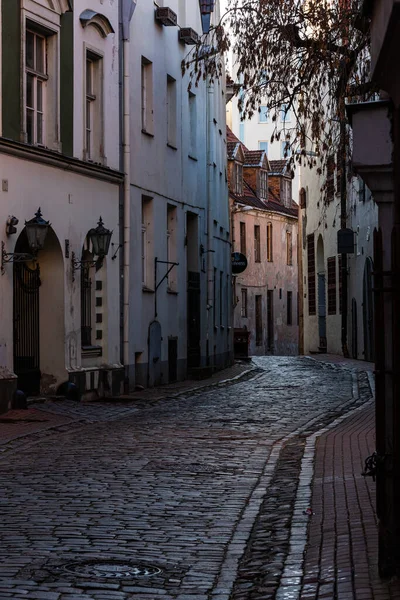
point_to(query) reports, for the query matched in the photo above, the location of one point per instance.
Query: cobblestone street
(193, 496)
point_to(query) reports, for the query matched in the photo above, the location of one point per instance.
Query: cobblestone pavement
(192, 497)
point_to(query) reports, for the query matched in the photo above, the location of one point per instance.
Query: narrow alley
(202, 495)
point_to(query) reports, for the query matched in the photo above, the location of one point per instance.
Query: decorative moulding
(102, 24)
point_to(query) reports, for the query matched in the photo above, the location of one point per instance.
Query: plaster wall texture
(72, 203)
(107, 48)
(323, 220)
(261, 277)
(186, 174)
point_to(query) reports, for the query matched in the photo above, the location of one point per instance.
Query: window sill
(147, 133)
(147, 290)
(192, 158)
(173, 292)
(172, 146)
(91, 351)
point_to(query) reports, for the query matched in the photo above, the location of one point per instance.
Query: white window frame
(263, 184)
(93, 113)
(286, 117)
(39, 82)
(263, 115)
(147, 96)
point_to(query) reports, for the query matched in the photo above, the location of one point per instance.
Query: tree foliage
(309, 56)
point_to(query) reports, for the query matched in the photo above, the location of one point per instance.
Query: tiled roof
(249, 197)
(231, 148)
(278, 167)
(253, 158)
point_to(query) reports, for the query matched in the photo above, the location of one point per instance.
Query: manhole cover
(112, 569)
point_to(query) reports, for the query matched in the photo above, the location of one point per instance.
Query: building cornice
(59, 161)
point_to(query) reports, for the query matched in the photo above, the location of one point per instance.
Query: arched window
(269, 242)
(303, 198)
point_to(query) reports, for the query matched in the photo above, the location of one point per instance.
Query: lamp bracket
(114, 256)
(84, 264)
(14, 257)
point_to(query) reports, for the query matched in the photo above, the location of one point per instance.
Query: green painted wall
(67, 83)
(11, 68)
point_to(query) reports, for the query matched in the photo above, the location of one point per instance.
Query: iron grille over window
(331, 262)
(311, 274)
(86, 307)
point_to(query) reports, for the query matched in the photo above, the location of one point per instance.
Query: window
(269, 242)
(147, 96)
(171, 111)
(289, 249)
(243, 238)
(289, 308)
(285, 113)
(243, 312)
(263, 146)
(171, 246)
(215, 319)
(147, 243)
(221, 296)
(303, 198)
(263, 114)
(86, 302)
(285, 149)
(237, 178)
(257, 244)
(311, 274)
(263, 184)
(338, 172)
(331, 264)
(193, 124)
(340, 282)
(286, 191)
(330, 179)
(93, 103)
(258, 307)
(36, 77)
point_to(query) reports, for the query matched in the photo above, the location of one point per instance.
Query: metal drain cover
(111, 569)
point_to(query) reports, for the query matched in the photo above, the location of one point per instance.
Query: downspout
(210, 249)
(127, 10)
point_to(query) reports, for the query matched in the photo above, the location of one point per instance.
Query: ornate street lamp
(36, 232)
(100, 238)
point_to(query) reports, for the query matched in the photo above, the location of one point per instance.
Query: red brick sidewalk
(342, 551)
(19, 423)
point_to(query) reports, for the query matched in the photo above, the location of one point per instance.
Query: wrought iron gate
(26, 328)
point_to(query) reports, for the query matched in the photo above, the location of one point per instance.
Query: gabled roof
(258, 158)
(279, 167)
(235, 151)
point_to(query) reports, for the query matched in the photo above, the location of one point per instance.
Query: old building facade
(264, 229)
(176, 266)
(59, 155)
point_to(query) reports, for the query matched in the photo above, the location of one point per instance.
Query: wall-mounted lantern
(36, 232)
(100, 238)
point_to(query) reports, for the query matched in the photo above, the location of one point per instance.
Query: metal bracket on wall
(157, 285)
(13, 257)
(76, 264)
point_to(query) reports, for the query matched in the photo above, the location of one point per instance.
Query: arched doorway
(321, 295)
(38, 305)
(368, 311)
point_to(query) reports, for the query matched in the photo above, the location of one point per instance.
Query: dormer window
(263, 185)
(286, 192)
(237, 179)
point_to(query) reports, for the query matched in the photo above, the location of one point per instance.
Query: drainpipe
(343, 224)
(127, 10)
(210, 249)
